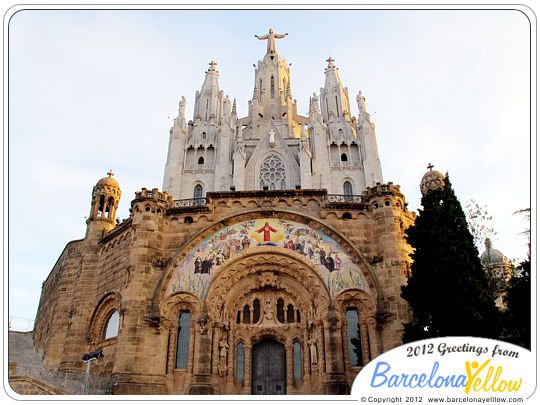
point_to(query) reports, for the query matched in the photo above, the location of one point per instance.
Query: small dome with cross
(108, 181)
(432, 180)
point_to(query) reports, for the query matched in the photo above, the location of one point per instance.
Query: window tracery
(272, 173)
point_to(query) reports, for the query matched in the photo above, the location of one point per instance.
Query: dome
(432, 180)
(108, 181)
(492, 256)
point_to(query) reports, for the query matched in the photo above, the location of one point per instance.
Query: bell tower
(105, 198)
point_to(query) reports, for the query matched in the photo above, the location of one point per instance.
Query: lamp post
(88, 358)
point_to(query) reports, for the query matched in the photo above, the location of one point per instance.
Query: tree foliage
(517, 317)
(480, 222)
(448, 290)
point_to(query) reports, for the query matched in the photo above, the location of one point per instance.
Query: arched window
(354, 340)
(245, 316)
(182, 345)
(344, 156)
(201, 161)
(280, 316)
(272, 86)
(340, 133)
(101, 207)
(256, 310)
(290, 313)
(197, 192)
(297, 361)
(204, 135)
(260, 89)
(110, 207)
(240, 355)
(347, 188)
(113, 323)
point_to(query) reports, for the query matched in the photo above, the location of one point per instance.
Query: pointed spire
(234, 107)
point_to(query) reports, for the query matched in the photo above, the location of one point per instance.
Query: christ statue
(271, 37)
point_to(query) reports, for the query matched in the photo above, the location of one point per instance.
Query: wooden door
(269, 370)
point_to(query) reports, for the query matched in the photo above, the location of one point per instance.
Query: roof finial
(430, 166)
(110, 173)
(330, 62)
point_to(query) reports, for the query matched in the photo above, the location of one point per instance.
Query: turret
(105, 198)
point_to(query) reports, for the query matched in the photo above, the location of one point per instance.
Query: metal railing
(333, 198)
(189, 202)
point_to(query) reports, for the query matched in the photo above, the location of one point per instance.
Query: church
(270, 262)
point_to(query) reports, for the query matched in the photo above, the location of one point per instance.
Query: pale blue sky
(91, 91)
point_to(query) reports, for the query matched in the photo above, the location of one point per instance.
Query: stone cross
(330, 61)
(110, 173)
(430, 166)
(212, 65)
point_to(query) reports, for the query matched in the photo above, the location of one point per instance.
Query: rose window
(272, 173)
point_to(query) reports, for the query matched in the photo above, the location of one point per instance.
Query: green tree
(517, 317)
(448, 289)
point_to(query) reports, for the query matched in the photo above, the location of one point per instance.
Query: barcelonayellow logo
(459, 365)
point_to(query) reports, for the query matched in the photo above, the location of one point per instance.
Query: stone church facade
(270, 263)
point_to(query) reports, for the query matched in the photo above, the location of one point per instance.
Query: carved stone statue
(313, 351)
(271, 47)
(223, 350)
(268, 311)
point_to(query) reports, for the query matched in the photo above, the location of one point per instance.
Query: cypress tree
(448, 290)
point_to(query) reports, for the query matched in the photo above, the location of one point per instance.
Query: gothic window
(256, 310)
(260, 89)
(204, 135)
(197, 192)
(297, 361)
(113, 323)
(340, 133)
(354, 340)
(280, 315)
(272, 173)
(298, 316)
(240, 355)
(290, 314)
(272, 87)
(343, 156)
(347, 188)
(201, 161)
(245, 317)
(182, 344)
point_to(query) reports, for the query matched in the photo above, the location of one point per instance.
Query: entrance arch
(269, 372)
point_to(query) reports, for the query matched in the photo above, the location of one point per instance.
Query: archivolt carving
(246, 274)
(357, 299)
(176, 303)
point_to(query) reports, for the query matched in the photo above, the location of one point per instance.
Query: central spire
(271, 37)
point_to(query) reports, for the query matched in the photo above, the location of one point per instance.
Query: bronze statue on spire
(271, 47)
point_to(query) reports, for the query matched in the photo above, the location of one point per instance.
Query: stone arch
(267, 267)
(106, 306)
(315, 223)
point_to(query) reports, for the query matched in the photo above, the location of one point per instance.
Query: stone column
(201, 382)
(247, 368)
(289, 366)
(335, 381)
(365, 345)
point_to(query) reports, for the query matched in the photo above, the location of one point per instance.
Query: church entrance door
(269, 371)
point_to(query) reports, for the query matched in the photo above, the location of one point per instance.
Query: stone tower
(273, 146)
